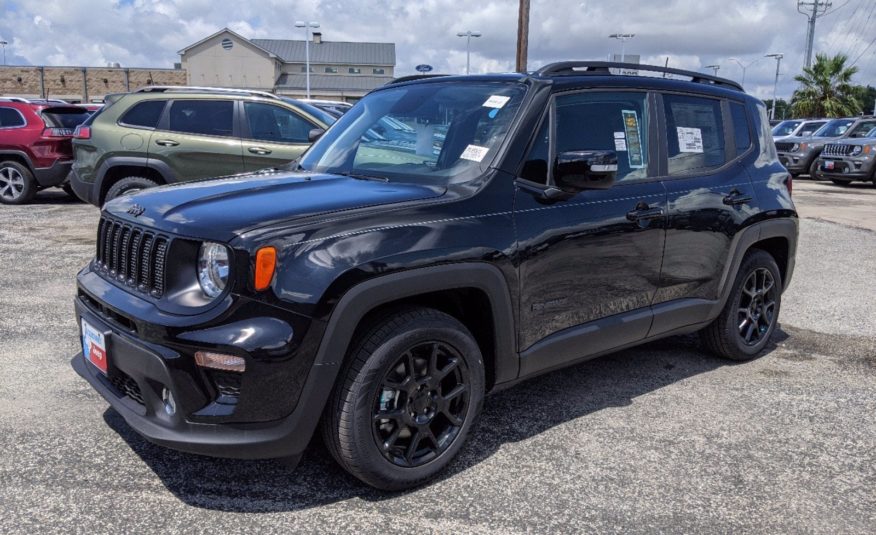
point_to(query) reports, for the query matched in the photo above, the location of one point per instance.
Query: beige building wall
(241, 66)
(80, 84)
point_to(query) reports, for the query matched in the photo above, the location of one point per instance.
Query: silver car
(848, 160)
(799, 155)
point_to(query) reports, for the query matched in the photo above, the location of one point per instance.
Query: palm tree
(826, 89)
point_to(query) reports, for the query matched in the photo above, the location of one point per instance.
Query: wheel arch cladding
(778, 247)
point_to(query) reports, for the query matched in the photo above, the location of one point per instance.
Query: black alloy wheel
(757, 306)
(422, 404)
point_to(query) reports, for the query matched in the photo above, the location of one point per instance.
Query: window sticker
(619, 135)
(689, 139)
(633, 139)
(620, 144)
(496, 101)
(474, 153)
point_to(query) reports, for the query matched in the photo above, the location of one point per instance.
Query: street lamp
(307, 26)
(744, 66)
(778, 58)
(623, 38)
(468, 35)
(3, 44)
(714, 68)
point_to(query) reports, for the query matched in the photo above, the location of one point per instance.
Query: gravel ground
(660, 438)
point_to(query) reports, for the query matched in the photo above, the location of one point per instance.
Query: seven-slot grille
(784, 147)
(836, 149)
(132, 255)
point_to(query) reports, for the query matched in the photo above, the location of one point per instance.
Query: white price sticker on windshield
(689, 139)
(474, 153)
(496, 101)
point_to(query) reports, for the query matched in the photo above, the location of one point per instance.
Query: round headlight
(213, 268)
(857, 150)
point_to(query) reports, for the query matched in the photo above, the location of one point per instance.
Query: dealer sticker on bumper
(94, 346)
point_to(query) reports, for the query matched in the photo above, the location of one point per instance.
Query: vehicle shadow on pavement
(53, 196)
(512, 415)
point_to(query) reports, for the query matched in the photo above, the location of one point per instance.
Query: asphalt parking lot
(660, 438)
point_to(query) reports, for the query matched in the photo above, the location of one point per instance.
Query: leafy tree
(867, 98)
(826, 89)
(783, 109)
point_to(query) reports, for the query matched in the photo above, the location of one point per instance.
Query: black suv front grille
(132, 255)
(836, 149)
(784, 147)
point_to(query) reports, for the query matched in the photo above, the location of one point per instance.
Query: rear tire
(422, 369)
(752, 311)
(17, 184)
(129, 186)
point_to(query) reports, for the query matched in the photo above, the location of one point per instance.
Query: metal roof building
(339, 70)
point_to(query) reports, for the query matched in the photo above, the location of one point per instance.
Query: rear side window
(273, 123)
(694, 134)
(68, 118)
(741, 130)
(204, 117)
(145, 114)
(10, 118)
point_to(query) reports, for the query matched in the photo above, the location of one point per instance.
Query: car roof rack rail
(569, 68)
(197, 89)
(413, 77)
(15, 99)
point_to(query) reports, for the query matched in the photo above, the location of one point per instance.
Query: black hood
(223, 208)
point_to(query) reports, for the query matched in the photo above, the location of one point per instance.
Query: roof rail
(15, 99)
(566, 68)
(413, 77)
(196, 89)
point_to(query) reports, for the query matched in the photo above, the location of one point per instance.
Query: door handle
(736, 197)
(259, 150)
(166, 142)
(644, 213)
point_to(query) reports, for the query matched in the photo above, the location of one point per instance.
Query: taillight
(789, 182)
(82, 132)
(57, 132)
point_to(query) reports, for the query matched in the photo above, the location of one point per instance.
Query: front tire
(17, 184)
(751, 313)
(129, 186)
(813, 170)
(840, 181)
(407, 399)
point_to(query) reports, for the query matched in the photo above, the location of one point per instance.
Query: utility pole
(714, 68)
(812, 10)
(623, 38)
(522, 35)
(778, 58)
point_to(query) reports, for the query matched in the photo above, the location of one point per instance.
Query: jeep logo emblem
(136, 210)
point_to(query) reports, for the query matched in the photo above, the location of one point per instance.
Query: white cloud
(692, 33)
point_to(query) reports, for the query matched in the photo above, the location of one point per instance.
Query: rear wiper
(359, 176)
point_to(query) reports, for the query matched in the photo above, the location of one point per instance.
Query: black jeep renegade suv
(447, 237)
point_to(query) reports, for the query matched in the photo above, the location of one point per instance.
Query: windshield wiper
(359, 176)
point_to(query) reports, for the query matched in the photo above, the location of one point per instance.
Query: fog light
(220, 361)
(169, 403)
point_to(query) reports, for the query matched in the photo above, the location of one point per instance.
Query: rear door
(198, 139)
(273, 135)
(708, 144)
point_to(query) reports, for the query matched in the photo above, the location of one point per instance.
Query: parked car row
(841, 150)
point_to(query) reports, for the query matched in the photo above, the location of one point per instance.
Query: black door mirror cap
(315, 133)
(585, 169)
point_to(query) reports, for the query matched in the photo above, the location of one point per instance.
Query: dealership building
(338, 70)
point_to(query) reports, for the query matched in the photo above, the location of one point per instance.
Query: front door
(273, 135)
(590, 264)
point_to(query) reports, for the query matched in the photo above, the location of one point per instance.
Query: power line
(818, 8)
(861, 55)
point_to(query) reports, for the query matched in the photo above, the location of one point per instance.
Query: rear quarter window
(741, 128)
(11, 118)
(144, 114)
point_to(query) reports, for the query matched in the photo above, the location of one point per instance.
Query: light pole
(623, 38)
(714, 68)
(307, 26)
(776, 83)
(744, 66)
(468, 35)
(3, 44)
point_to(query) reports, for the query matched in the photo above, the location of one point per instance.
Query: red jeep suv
(35, 147)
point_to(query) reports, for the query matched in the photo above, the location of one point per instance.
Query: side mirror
(315, 133)
(585, 169)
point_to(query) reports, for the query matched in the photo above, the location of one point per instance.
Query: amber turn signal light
(265, 262)
(220, 361)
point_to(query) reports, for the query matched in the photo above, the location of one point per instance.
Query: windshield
(420, 131)
(871, 133)
(834, 128)
(861, 129)
(785, 128)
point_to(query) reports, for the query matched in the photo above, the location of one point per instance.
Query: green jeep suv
(160, 135)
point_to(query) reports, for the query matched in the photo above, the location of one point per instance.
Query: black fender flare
(134, 161)
(19, 154)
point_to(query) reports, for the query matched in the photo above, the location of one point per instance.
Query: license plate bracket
(828, 165)
(94, 347)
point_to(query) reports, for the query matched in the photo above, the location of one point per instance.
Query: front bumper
(795, 162)
(846, 168)
(141, 373)
(52, 176)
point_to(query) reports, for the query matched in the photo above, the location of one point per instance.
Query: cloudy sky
(692, 33)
